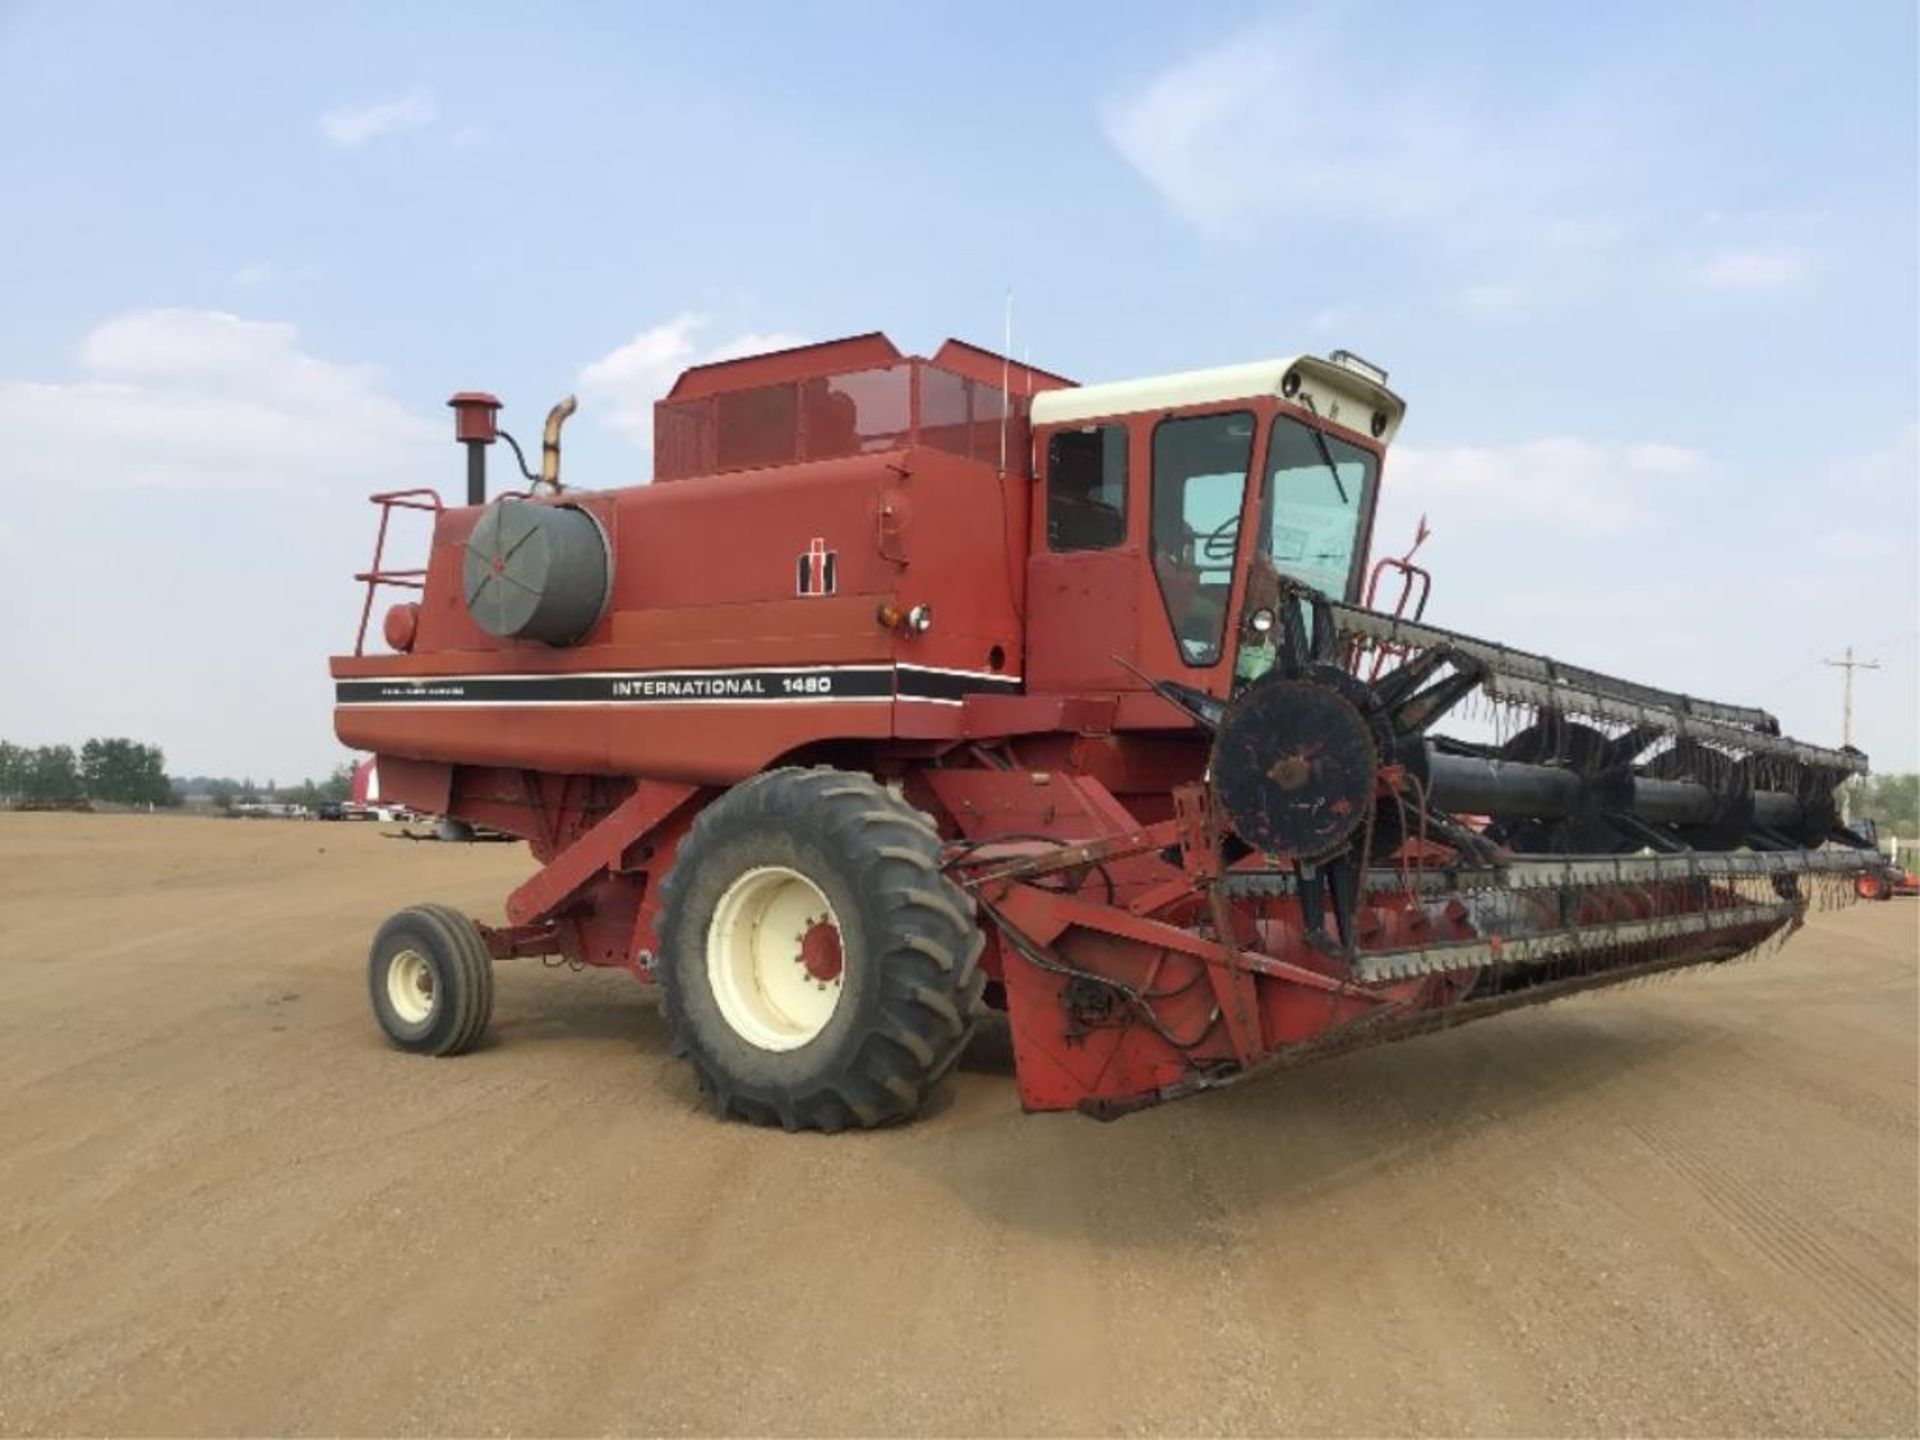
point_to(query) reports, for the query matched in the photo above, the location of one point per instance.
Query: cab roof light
(1347, 360)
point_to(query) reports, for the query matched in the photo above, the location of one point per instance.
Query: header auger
(915, 687)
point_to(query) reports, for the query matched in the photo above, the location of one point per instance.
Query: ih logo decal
(816, 571)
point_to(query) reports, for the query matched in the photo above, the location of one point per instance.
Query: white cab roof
(1333, 391)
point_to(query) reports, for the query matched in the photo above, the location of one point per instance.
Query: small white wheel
(410, 986)
(430, 978)
(774, 958)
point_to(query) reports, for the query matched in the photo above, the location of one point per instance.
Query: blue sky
(1646, 275)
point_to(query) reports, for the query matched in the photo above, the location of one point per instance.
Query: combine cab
(913, 687)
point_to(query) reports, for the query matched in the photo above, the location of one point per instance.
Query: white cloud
(1560, 483)
(1884, 484)
(194, 491)
(357, 124)
(196, 399)
(1268, 127)
(1653, 458)
(1208, 135)
(1631, 557)
(623, 384)
(1767, 268)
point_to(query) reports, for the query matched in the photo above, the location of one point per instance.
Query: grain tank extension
(911, 688)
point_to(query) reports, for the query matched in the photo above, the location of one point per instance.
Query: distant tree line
(117, 771)
(1891, 801)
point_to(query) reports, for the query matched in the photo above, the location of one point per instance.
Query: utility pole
(1849, 664)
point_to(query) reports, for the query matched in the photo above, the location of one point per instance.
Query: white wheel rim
(771, 982)
(410, 986)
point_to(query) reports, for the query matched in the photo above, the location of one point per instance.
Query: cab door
(1200, 501)
(1083, 576)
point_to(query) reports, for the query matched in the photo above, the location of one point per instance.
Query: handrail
(1410, 575)
(420, 498)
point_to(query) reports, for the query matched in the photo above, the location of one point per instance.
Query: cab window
(1087, 488)
(1199, 482)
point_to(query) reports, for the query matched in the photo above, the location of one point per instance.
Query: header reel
(1340, 780)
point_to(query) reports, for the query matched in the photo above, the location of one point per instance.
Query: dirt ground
(226, 1206)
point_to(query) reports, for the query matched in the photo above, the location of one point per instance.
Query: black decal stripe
(651, 687)
(671, 687)
(920, 683)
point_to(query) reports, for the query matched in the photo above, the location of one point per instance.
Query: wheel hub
(410, 986)
(775, 958)
(1293, 767)
(820, 951)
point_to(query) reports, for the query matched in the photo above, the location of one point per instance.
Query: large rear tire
(817, 967)
(430, 978)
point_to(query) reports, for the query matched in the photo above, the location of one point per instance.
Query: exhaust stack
(550, 443)
(475, 426)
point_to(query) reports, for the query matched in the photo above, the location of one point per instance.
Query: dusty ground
(226, 1206)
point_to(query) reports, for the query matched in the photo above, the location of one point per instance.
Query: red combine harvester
(916, 686)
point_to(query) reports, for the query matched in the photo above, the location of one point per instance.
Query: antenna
(1006, 362)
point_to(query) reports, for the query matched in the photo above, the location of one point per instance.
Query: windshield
(1312, 510)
